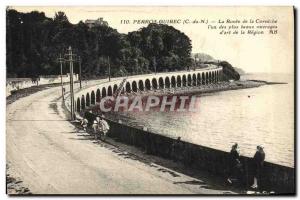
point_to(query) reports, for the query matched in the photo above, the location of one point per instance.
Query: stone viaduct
(141, 83)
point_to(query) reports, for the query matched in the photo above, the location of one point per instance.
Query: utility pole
(108, 68)
(70, 59)
(79, 71)
(61, 60)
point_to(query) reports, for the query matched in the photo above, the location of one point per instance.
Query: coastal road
(50, 156)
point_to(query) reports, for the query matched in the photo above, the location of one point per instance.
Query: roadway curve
(51, 157)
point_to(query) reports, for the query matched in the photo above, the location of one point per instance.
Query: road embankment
(275, 177)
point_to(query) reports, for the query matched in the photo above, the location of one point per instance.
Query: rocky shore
(204, 89)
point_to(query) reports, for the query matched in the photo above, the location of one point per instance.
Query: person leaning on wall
(234, 164)
(259, 158)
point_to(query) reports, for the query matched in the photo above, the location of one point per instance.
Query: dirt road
(51, 157)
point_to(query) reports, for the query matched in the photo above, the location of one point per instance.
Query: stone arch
(203, 78)
(154, 84)
(93, 99)
(134, 86)
(173, 81)
(141, 85)
(167, 82)
(82, 102)
(184, 80)
(178, 81)
(214, 76)
(147, 84)
(198, 79)
(109, 91)
(78, 105)
(98, 95)
(161, 82)
(127, 87)
(115, 88)
(206, 78)
(189, 82)
(194, 80)
(87, 99)
(103, 92)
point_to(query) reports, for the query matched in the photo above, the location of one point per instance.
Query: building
(98, 22)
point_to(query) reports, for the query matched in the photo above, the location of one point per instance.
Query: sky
(268, 53)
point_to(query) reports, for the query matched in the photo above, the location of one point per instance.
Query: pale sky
(262, 53)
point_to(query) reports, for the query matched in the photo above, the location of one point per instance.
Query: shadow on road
(203, 179)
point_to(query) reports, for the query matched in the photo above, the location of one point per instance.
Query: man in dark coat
(234, 164)
(258, 159)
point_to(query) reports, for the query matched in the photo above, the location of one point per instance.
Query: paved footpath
(51, 157)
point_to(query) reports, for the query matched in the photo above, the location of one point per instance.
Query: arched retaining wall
(147, 82)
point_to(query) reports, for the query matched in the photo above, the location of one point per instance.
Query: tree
(34, 42)
(61, 17)
(164, 46)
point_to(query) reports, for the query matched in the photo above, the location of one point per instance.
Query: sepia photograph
(150, 100)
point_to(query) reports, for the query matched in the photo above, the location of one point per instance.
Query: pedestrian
(103, 126)
(84, 123)
(176, 149)
(95, 128)
(234, 163)
(258, 159)
(98, 119)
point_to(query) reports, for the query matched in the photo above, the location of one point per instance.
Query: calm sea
(250, 117)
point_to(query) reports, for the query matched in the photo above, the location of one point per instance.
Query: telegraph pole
(79, 72)
(61, 60)
(108, 68)
(70, 59)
